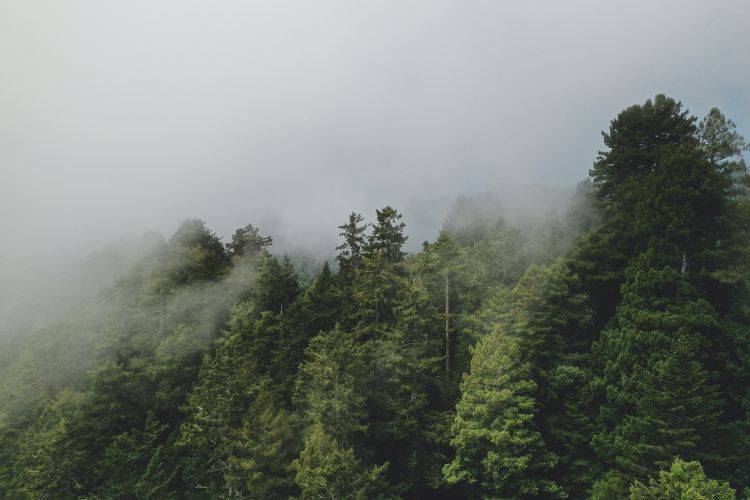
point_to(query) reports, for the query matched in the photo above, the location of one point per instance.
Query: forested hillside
(602, 354)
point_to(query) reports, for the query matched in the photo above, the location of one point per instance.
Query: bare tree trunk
(684, 263)
(447, 329)
(161, 311)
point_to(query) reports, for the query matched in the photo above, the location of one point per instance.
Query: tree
(511, 422)
(128, 454)
(637, 140)
(228, 383)
(721, 142)
(318, 309)
(327, 470)
(247, 241)
(683, 480)
(263, 449)
(658, 398)
(678, 411)
(276, 286)
(671, 204)
(195, 254)
(387, 236)
(404, 383)
(499, 451)
(349, 254)
(321, 304)
(329, 387)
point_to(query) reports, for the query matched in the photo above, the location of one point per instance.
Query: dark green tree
(325, 469)
(349, 255)
(682, 480)
(263, 450)
(387, 236)
(247, 240)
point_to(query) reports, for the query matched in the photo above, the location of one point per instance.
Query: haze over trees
(602, 354)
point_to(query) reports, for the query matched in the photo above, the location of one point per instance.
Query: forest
(601, 354)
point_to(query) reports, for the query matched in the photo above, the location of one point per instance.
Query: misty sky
(118, 117)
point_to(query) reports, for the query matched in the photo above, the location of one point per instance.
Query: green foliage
(247, 241)
(684, 480)
(128, 452)
(349, 255)
(499, 451)
(276, 286)
(329, 390)
(327, 470)
(677, 413)
(512, 431)
(637, 139)
(574, 358)
(228, 383)
(53, 450)
(195, 254)
(263, 449)
(387, 236)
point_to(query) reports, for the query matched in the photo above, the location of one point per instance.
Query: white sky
(118, 117)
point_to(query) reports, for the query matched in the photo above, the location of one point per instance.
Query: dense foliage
(602, 354)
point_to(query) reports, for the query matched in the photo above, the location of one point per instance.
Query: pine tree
(325, 469)
(677, 413)
(195, 254)
(499, 451)
(247, 241)
(329, 388)
(405, 367)
(682, 480)
(387, 236)
(350, 251)
(263, 449)
(276, 286)
(519, 371)
(228, 383)
(128, 454)
(659, 310)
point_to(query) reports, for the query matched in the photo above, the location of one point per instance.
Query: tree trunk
(684, 263)
(447, 329)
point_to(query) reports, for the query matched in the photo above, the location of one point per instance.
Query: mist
(122, 118)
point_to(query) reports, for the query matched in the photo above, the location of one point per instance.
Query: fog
(118, 118)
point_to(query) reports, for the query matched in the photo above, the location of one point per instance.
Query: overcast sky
(118, 117)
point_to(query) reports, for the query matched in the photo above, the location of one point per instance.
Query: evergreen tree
(276, 286)
(349, 254)
(499, 451)
(659, 313)
(263, 449)
(247, 241)
(677, 412)
(329, 387)
(327, 470)
(195, 254)
(405, 382)
(387, 236)
(519, 372)
(682, 480)
(229, 382)
(128, 454)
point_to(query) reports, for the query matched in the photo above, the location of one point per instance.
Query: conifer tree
(325, 469)
(247, 241)
(678, 411)
(499, 450)
(683, 480)
(387, 236)
(350, 250)
(510, 422)
(264, 447)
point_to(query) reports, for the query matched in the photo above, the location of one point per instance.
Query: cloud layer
(118, 117)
